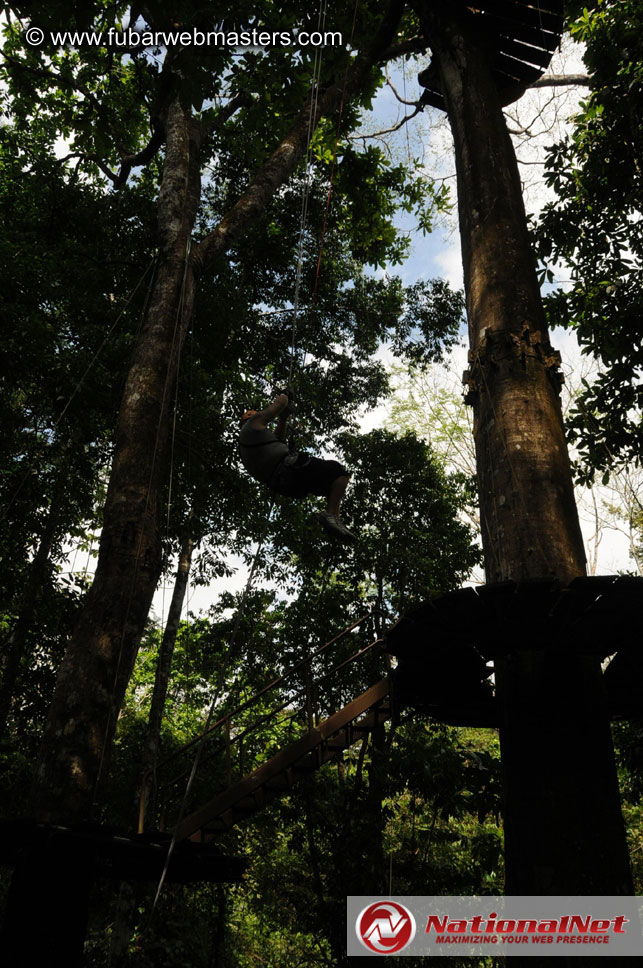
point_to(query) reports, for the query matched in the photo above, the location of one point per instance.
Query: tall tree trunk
(564, 832)
(529, 520)
(98, 663)
(162, 677)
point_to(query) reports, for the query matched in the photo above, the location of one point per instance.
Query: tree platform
(521, 37)
(113, 853)
(445, 647)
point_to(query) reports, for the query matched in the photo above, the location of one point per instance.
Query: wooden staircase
(297, 695)
(301, 758)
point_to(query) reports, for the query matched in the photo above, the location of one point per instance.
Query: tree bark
(560, 787)
(529, 520)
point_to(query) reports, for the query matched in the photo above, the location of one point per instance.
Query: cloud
(449, 263)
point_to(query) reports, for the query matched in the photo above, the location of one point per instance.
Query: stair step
(248, 805)
(279, 784)
(304, 768)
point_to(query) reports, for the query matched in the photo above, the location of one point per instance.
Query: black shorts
(310, 475)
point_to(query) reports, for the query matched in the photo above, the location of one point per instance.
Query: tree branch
(240, 100)
(128, 160)
(277, 168)
(395, 92)
(141, 157)
(562, 80)
(417, 45)
(407, 117)
(58, 80)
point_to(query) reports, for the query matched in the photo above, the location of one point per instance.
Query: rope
(334, 162)
(303, 216)
(303, 220)
(322, 18)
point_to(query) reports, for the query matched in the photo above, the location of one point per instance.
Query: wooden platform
(114, 853)
(443, 646)
(522, 37)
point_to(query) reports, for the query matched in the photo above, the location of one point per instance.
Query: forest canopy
(185, 230)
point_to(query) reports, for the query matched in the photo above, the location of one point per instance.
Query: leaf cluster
(595, 228)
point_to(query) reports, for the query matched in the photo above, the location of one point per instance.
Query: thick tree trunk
(98, 663)
(528, 514)
(564, 832)
(95, 671)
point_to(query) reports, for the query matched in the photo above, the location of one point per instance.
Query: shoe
(335, 528)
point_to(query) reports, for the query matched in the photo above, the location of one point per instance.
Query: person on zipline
(268, 459)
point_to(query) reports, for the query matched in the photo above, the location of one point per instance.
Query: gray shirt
(261, 451)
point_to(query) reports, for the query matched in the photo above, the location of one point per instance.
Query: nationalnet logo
(570, 929)
(385, 927)
(499, 926)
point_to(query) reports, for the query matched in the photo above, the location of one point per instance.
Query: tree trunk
(95, 671)
(98, 663)
(529, 521)
(564, 832)
(162, 677)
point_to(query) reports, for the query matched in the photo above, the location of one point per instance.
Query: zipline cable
(303, 216)
(334, 162)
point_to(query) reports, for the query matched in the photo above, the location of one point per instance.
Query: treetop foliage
(595, 227)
